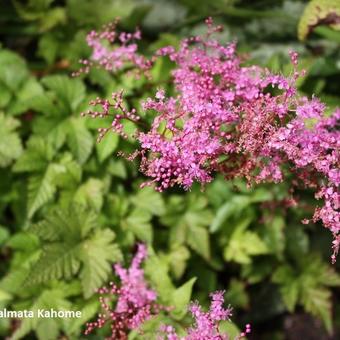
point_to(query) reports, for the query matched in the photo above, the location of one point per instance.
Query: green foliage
(307, 284)
(72, 244)
(70, 208)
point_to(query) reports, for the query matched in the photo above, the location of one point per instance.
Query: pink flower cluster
(113, 51)
(135, 300)
(206, 326)
(241, 121)
(135, 304)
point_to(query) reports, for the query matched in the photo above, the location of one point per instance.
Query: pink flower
(135, 300)
(241, 121)
(206, 324)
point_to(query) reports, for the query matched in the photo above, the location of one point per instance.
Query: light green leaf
(41, 188)
(47, 299)
(243, 245)
(13, 70)
(91, 194)
(317, 301)
(10, 143)
(150, 200)
(157, 271)
(36, 157)
(97, 254)
(198, 239)
(70, 92)
(231, 208)
(181, 298)
(139, 223)
(107, 146)
(79, 140)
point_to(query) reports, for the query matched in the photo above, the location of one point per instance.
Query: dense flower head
(135, 301)
(206, 324)
(241, 121)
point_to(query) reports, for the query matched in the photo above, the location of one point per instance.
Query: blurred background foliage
(71, 207)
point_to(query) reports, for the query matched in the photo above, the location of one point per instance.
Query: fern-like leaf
(57, 261)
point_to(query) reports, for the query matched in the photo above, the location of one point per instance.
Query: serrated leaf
(138, 222)
(97, 254)
(71, 92)
(156, 270)
(181, 298)
(10, 143)
(41, 188)
(13, 70)
(36, 157)
(318, 302)
(57, 261)
(150, 200)
(72, 223)
(198, 239)
(79, 140)
(91, 194)
(243, 245)
(47, 299)
(318, 12)
(30, 88)
(107, 146)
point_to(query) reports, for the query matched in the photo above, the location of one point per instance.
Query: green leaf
(4, 296)
(70, 92)
(181, 298)
(273, 235)
(317, 301)
(41, 188)
(178, 260)
(91, 194)
(230, 208)
(29, 90)
(97, 254)
(48, 47)
(57, 261)
(87, 312)
(243, 245)
(69, 224)
(36, 157)
(156, 270)
(318, 12)
(139, 223)
(23, 241)
(79, 140)
(236, 294)
(13, 71)
(4, 235)
(107, 146)
(198, 239)
(10, 143)
(47, 299)
(150, 200)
